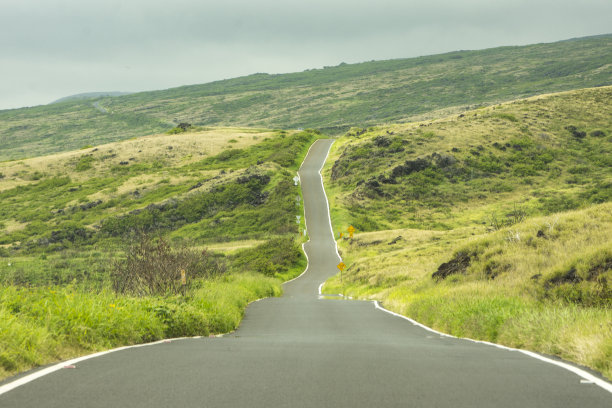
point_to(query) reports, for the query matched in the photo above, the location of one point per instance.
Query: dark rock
(568, 277)
(575, 132)
(92, 204)
(262, 179)
(197, 185)
(458, 264)
(382, 141)
(443, 160)
(409, 167)
(395, 240)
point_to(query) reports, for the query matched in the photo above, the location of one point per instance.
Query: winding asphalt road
(303, 351)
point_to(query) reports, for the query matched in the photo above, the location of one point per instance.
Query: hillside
(93, 241)
(493, 224)
(331, 99)
(89, 95)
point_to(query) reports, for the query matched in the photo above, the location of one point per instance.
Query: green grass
(476, 167)
(332, 99)
(46, 324)
(510, 207)
(63, 231)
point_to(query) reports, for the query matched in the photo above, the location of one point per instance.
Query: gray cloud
(54, 48)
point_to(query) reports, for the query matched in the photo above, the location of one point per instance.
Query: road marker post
(296, 179)
(184, 281)
(341, 266)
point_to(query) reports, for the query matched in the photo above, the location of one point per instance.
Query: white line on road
(46, 371)
(588, 377)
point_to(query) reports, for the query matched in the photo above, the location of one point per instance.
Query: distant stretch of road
(303, 351)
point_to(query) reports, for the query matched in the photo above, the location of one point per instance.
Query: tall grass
(41, 325)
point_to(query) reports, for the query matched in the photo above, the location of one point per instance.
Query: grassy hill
(491, 224)
(77, 227)
(332, 99)
(89, 95)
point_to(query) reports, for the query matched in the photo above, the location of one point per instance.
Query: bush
(598, 133)
(575, 132)
(180, 128)
(84, 163)
(153, 267)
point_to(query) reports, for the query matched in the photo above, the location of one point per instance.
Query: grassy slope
(64, 218)
(330, 98)
(516, 190)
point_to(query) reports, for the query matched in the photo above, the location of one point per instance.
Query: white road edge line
(331, 228)
(304, 212)
(46, 371)
(56, 367)
(590, 378)
(305, 270)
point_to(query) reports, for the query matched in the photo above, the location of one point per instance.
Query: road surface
(302, 351)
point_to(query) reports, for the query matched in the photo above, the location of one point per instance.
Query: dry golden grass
(399, 275)
(182, 148)
(233, 246)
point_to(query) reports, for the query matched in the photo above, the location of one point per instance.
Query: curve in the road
(302, 351)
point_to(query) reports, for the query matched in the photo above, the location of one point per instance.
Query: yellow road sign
(341, 266)
(351, 229)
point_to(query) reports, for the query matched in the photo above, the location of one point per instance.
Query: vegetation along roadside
(96, 243)
(492, 224)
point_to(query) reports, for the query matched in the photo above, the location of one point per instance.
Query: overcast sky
(54, 48)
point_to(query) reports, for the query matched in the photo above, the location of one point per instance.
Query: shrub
(153, 267)
(180, 128)
(598, 133)
(575, 132)
(84, 163)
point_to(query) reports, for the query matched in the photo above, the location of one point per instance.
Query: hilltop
(331, 99)
(89, 95)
